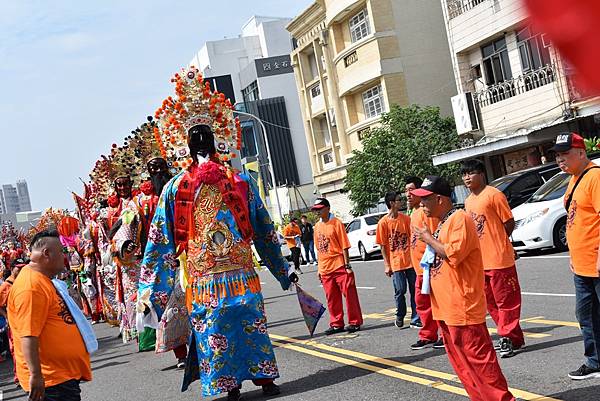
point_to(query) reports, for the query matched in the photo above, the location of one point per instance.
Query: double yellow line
(366, 362)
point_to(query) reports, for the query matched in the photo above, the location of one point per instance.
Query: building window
(327, 159)
(315, 90)
(325, 135)
(373, 102)
(250, 92)
(359, 26)
(532, 51)
(312, 66)
(495, 62)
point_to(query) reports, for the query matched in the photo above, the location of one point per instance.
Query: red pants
(335, 285)
(472, 355)
(180, 351)
(429, 331)
(503, 295)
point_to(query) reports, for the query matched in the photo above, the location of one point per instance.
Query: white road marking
(546, 257)
(547, 294)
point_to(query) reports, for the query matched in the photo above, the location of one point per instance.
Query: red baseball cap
(568, 140)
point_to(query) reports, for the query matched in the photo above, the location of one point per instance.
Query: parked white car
(361, 233)
(541, 222)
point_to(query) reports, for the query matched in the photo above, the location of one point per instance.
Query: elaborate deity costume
(173, 330)
(200, 239)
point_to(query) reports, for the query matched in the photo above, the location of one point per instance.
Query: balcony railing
(516, 86)
(457, 7)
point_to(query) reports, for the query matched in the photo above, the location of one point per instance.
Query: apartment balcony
(458, 7)
(525, 101)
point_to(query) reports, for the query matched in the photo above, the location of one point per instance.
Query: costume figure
(205, 221)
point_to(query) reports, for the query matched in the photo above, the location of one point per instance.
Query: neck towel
(84, 327)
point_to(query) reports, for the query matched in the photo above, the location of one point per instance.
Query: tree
(403, 145)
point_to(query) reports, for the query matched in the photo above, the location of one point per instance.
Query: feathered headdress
(195, 104)
(119, 163)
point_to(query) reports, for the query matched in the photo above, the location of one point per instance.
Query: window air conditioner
(465, 114)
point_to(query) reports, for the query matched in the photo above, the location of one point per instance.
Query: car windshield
(503, 182)
(554, 188)
(373, 220)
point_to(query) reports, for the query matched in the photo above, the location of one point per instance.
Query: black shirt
(307, 232)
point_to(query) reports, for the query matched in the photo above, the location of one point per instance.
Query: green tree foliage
(403, 145)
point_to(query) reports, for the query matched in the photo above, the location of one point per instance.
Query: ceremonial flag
(312, 309)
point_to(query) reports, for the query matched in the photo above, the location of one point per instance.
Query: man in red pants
(335, 271)
(457, 293)
(428, 334)
(494, 221)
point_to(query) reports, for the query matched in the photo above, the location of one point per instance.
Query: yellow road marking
(526, 395)
(525, 333)
(554, 322)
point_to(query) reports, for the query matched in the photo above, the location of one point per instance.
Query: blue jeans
(400, 280)
(309, 247)
(587, 310)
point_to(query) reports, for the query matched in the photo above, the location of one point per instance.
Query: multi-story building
(353, 60)
(14, 199)
(254, 71)
(515, 92)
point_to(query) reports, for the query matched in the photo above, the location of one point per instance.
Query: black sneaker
(421, 344)
(351, 328)
(271, 389)
(181, 363)
(439, 344)
(497, 345)
(399, 323)
(333, 330)
(584, 373)
(416, 325)
(506, 348)
(234, 395)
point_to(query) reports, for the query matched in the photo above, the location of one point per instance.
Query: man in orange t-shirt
(292, 234)
(428, 333)
(583, 235)
(393, 234)
(457, 294)
(335, 271)
(488, 207)
(50, 353)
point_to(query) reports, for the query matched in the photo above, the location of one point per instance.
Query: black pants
(67, 391)
(296, 257)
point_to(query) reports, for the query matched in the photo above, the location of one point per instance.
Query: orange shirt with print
(36, 310)
(457, 283)
(490, 210)
(583, 223)
(394, 234)
(291, 231)
(419, 219)
(330, 241)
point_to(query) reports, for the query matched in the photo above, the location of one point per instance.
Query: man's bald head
(47, 252)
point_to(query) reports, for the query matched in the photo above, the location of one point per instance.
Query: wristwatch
(348, 266)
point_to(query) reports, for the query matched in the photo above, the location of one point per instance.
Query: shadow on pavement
(579, 394)
(553, 343)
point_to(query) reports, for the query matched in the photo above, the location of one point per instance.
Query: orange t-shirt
(36, 310)
(394, 234)
(419, 219)
(489, 210)
(330, 240)
(4, 291)
(289, 231)
(457, 295)
(583, 223)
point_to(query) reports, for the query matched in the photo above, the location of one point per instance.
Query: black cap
(320, 203)
(568, 140)
(19, 262)
(432, 184)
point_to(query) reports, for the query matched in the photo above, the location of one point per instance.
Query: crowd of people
(161, 248)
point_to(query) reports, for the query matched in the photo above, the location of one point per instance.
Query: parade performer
(174, 329)
(205, 222)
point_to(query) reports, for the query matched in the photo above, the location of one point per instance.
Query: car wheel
(364, 256)
(559, 235)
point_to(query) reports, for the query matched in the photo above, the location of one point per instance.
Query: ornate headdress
(119, 163)
(143, 145)
(196, 104)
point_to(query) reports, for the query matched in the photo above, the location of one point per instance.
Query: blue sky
(77, 76)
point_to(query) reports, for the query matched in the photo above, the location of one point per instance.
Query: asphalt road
(375, 363)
